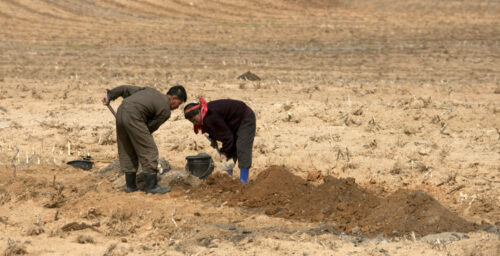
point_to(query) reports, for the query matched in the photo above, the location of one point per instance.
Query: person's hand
(223, 157)
(213, 143)
(226, 165)
(105, 100)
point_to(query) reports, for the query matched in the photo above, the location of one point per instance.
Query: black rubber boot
(130, 180)
(151, 185)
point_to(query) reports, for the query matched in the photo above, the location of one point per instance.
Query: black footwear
(151, 185)
(130, 181)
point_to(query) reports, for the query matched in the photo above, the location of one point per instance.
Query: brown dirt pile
(351, 208)
(405, 211)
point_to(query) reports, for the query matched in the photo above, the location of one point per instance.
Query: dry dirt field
(377, 126)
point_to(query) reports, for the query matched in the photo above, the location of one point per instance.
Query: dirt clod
(35, 230)
(85, 239)
(313, 176)
(249, 76)
(16, 250)
(73, 226)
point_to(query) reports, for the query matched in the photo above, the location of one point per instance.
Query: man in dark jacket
(141, 113)
(233, 123)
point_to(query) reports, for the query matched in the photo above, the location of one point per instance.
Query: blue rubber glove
(244, 176)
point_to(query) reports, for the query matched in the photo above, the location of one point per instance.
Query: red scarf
(203, 113)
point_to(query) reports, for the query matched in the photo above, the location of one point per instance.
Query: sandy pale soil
(378, 126)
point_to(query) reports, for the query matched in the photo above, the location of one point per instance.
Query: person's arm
(213, 142)
(123, 91)
(162, 114)
(158, 120)
(221, 131)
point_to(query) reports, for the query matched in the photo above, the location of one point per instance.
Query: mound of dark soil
(407, 211)
(283, 194)
(339, 201)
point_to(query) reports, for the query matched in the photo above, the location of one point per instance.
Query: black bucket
(85, 163)
(200, 165)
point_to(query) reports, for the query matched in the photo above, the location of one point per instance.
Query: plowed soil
(378, 126)
(351, 208)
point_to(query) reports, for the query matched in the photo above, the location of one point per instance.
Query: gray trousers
(135, 142)
(244, 142)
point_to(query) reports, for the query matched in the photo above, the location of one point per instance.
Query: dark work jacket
(222, 121)
(152, 105)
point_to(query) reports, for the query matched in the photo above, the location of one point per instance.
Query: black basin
(200, 165)
(82, 164)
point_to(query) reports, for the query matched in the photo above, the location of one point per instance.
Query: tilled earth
(377, 126)
(349, 207)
